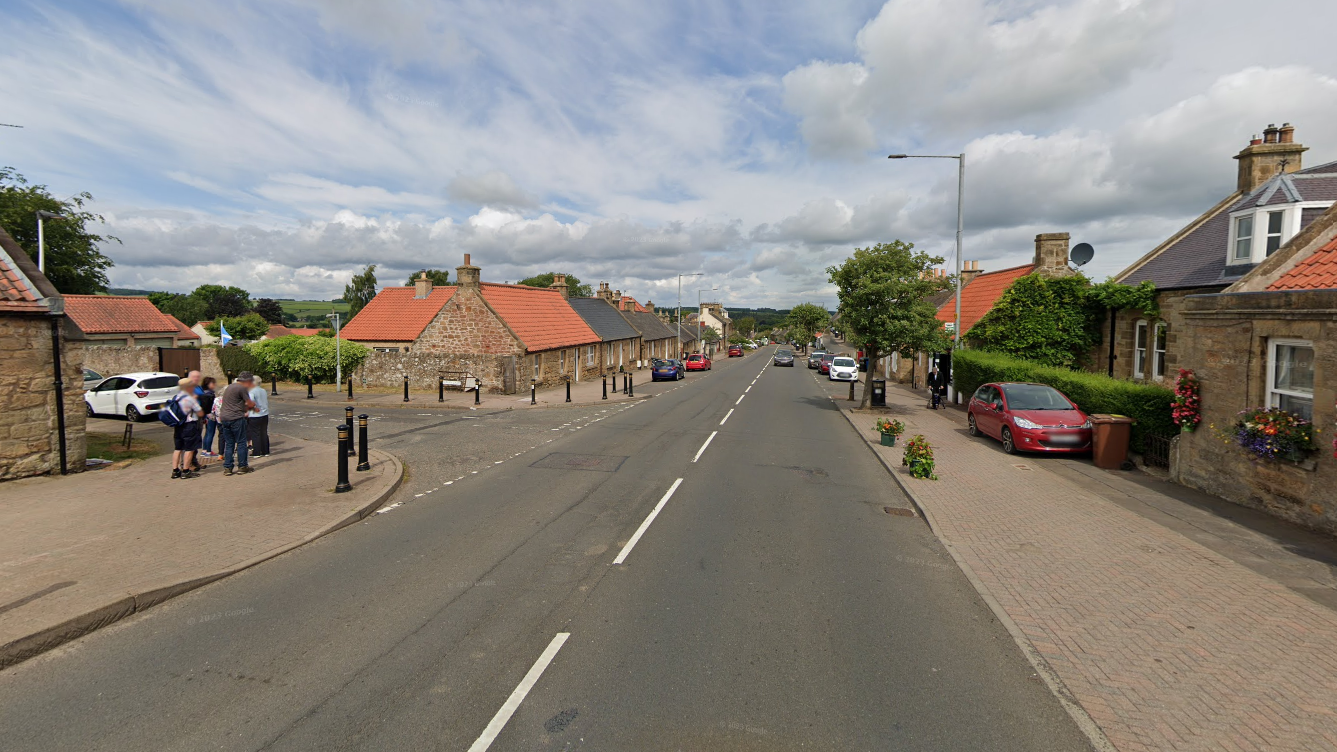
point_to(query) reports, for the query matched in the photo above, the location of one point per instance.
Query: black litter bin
(879, 393)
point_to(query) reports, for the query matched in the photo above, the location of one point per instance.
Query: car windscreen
(158, 382)
(784, 354)
(846, 362)
(1034, 397)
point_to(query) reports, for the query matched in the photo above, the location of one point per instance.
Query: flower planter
(889, 439)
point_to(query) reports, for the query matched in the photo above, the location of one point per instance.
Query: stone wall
(108, 360)
(382, 369)
(1172, 305)
(29, 438)
(1225, 340)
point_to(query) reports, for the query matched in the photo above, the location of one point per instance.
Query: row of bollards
(346, 449)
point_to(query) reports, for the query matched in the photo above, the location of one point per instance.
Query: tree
(746, 326)
(884, 305)
(189, 309)
(709, 334)
(360, 290)
(269, 310)
(251, 326)
(438, 277)
(573, 286)
(73, 262)
(222, 300)
(805, 320)
(299, 358)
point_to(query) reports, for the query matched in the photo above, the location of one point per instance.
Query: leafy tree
(747, 326)
(709, 334)
(269, 310)
(884, 306)
(360, 290)
(573, 286)
(73, 262)
(737, 339)
(189, 309)
(805, 320)
(299, 358)
(439, 277)
(250, 326)
(222, 300)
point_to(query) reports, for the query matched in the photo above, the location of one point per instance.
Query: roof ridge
(1314, 170)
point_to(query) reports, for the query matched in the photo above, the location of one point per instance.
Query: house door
(508, 374)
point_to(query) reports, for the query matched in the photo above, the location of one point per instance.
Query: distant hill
(127, 291)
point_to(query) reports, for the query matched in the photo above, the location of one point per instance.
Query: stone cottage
(621, 343)
(41, 426)
(658, 340)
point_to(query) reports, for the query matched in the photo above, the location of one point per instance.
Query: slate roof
(119, 314)
(629, 304)
(603, 318)
(23, 289)
(649, 325)
(539, 316)
(690, 332)
(1198, 258)
(394, 315)
(979, 296)
(1317, 272)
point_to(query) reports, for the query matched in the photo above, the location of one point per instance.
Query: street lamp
(338, 361)
(698, 329)
(41, 237)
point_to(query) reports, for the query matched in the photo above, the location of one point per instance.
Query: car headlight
(1023, 423)
(1087, 424)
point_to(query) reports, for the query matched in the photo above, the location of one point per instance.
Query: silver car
(815, 358)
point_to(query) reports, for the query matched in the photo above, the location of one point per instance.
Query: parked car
(735, 351)
(1029, 417)
(815, 358)
(666, 370)
(783, 358)
(135, 395)
(824, 365)
(91, 378)
(842, 368)
(697, 362)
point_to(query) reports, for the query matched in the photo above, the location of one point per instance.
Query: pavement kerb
(437, 406)
(32, 645)
(1085, 723)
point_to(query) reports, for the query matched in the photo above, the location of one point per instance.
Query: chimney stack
(1260, 162)
(1051, 255)
(604, 292)
(970, 271)
(650, 307)
(559, 284)
(617, 299)
(468, 276)
(422, 286)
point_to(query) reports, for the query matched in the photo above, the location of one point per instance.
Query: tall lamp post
(680, 276)
(338, 361)
(41, 237)
(960, 227)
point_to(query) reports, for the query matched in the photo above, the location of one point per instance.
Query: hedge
(1149, 404)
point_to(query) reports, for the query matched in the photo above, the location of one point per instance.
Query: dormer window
(1275, 222)
(1258, 232)
(1244, 239)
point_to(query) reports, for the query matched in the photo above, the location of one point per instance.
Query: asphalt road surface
(709, 569)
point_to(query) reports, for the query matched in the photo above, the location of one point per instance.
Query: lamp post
(41, 237)
(960, 226)
(338, 360)
(680, 276)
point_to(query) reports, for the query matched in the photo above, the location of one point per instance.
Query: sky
(281, 145)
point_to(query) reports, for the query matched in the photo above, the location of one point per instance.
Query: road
(560, 597)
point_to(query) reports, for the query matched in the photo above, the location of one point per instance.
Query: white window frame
(1268, 235)
(1158, 349)
(1140, 332)
(1274, 394)
(1292, 216)
(589, 355)
(561, 362)
(538, 366)
(1236, 239)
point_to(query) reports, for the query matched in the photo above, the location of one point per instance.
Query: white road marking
(740, 400)
(702, 450)
(748, 389)
(512, 703)
(621, 557)
(726, 415)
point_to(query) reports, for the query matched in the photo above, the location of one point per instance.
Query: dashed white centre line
(748, 389)
(622, 556)
(726, 415)
(702, 450)
(512, 703)
(740, 399)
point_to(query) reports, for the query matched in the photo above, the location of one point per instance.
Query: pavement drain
(899, 511)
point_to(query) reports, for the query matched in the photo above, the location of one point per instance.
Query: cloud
(491, 188)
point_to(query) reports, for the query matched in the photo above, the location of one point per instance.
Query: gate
(178, 359)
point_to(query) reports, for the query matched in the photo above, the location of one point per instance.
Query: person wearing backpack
(234, 403)
(183, 413)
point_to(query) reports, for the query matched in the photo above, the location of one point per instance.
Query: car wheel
(132, 415)
(91, 412)
(971, 427)
(1009, 446)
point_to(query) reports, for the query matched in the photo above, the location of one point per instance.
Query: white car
(135, 395)
(843, 369)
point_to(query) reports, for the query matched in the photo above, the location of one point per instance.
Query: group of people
(238, 415)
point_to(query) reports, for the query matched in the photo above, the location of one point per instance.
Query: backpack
(171, 413)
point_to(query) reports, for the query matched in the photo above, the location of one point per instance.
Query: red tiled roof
(980, 294)
(629, 304)
(277, 330)
(183, 331)
(305, 332)
(1318, 272)
(394, 315)
(116, 314)
(15, 295)
(540, 316)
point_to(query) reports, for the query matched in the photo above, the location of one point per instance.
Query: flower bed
(1274, 434)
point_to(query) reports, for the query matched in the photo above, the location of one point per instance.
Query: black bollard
(631, 386)
(624, 383)
(274, 384)
(478, 391)
(533, 392)
(568, 389)
(851, 391)
(362, 463)
(605, 376)
(350, 388)
(348, 421)
(343, 484)
(309, 395)
(406, 388)
(440, 390)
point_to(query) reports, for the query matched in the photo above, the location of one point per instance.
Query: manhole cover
(899, 511)
(600, 463)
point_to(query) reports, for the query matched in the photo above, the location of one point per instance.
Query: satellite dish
(1082, 254)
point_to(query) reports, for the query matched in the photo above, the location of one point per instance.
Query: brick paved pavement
(94, 547)
(1164, 643)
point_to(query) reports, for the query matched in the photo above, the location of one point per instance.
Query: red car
(824, 365)
(698, 363)
(735, 351)
(1030, 418)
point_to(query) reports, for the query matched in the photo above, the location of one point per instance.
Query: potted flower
(889, 429)
(1187, 406)
(1271, 433)
(919, 458)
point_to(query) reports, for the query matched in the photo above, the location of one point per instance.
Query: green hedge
(1093, 392)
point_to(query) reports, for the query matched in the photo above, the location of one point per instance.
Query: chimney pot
(1286, 135)
(1260, 161)
(467, 275)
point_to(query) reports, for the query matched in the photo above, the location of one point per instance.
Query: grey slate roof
(649, 325)
(1198, 259)
(604, 319)
(690, 332)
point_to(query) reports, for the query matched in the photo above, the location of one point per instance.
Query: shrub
(234, 360)
(298, 358)
(1149, 404)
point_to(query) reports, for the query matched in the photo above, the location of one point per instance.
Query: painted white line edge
(740, 399)
(726, 415)
(702, 450)
(512, 703)
(622, 556)
(748, 389)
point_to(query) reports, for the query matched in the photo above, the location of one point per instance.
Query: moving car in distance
(666, 370)
(135, 395)
(697, 362)
(815, 358)
(824, 365)
(783, 358)
(735, 351)
(842, 368)
(1029, 417)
